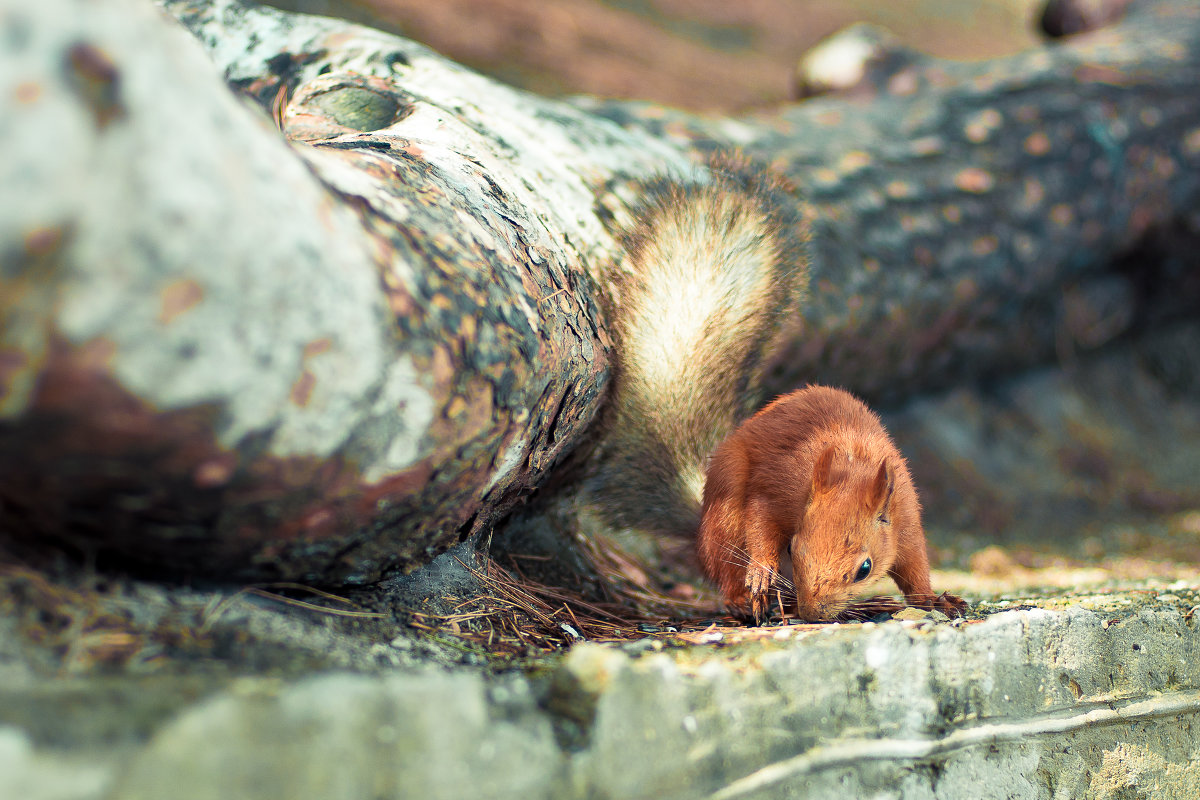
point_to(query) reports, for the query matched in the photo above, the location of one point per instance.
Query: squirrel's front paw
(950, 604)
(758, 585)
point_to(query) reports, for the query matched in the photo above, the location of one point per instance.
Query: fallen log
(333, 354)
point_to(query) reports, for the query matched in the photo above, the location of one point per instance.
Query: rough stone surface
(1094, 696)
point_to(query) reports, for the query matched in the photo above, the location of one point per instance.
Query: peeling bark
(336, 356)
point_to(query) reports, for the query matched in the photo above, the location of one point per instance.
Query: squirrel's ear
(821, 470)
(882, 486)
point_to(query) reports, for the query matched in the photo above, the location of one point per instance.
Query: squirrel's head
(846, 540)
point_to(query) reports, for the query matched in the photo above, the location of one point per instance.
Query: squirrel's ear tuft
(823, 468)
(883, 486)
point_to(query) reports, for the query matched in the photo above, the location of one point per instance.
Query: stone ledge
(1065, 702)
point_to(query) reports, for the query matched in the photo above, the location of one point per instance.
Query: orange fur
(816, 474)
(714, 266)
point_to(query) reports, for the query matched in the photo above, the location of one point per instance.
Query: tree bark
(972, 218)
(333, 355)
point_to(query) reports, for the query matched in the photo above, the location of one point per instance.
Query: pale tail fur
(712, 269)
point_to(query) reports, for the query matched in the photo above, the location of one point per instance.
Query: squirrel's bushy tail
(712, 270)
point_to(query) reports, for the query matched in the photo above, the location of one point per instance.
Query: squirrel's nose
(808, 611)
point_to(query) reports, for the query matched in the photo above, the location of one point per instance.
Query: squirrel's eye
(864, 569)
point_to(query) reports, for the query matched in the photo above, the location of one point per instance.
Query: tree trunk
(335, 354)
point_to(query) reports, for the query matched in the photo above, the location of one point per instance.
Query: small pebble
(642, 646)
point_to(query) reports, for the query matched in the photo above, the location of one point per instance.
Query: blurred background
(701, 55)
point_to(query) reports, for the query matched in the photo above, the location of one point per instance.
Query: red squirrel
(816, 479)
(713, 267)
